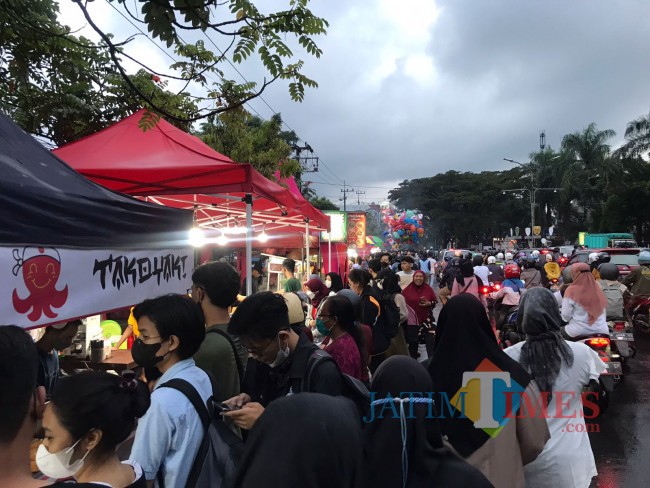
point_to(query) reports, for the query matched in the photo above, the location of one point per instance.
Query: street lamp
(532, 190)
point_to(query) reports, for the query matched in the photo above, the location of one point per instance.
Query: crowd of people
(281, 378)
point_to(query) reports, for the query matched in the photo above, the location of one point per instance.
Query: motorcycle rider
(496, 272)
(480, 269)
(531, 275)
(614, 291)
(509, 294)
(500, 259)
(551, 272)
(638, 281)
(535, 255)
(595, 260)
(584, 305)
(509, 258)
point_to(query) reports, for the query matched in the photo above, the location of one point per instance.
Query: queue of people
(298, 415)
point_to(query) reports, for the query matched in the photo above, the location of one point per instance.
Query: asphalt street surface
(622, 447)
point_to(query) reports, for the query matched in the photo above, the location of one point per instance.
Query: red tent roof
(165, 161)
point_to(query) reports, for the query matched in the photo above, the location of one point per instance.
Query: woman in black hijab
(464, 340)
(306, 440)
(408, 452)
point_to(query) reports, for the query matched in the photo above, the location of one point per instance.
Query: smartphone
(222, 407)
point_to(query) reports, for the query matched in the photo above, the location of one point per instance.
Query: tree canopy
(597, 191)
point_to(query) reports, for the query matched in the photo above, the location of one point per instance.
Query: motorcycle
(639, 312)
(553, 284)
(621, 335)
(613, 374)
(510, 333)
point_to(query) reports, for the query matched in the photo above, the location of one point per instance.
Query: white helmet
(500, 255)
(644, 257)
(593, 257)
(492, 260)
(508, 255)
(535, 253)
(549, 257)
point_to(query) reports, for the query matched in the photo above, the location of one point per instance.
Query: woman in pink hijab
(584, 304)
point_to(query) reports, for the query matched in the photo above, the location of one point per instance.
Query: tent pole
(249, 244)
(329, 252)
(307, 268)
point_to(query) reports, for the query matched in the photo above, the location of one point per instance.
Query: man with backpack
(215, 287)
(280, 359)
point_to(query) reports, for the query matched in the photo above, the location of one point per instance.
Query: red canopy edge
(165, 161)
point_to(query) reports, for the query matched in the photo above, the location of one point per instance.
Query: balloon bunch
(405, 228)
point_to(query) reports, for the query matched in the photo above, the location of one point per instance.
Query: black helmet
(566, 275)
(608, 271)
(530, 262)
(477, 260)
(604, 257)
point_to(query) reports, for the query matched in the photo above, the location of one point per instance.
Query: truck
(612, 239)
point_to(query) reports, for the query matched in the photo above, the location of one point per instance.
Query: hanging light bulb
(263, 237)
(222, 240)
(196, 237)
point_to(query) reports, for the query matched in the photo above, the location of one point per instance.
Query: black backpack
(353, 389)
(220, 450)
(389, 318)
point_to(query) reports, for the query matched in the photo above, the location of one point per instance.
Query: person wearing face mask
(317, 292)
(169, 434)
(56, 338)
(21, 405)
(89, 415)
(279, 359)
(344, 339)
(384, 260)
(334, 282)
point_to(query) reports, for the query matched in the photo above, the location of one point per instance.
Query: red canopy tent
(173, 168)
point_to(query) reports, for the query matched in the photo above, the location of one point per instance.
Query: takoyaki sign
(43, 285)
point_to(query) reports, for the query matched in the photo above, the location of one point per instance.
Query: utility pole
(359, 193)
(542, 140)
(345, 192)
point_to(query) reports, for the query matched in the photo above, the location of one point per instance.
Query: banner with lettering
(45, 285)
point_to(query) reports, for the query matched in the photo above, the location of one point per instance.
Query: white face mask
(57, 464)
(310, 294)
(282, 356)
(328, 283)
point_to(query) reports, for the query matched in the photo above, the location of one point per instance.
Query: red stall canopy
(165, 161)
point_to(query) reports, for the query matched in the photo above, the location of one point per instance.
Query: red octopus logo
(41, 270)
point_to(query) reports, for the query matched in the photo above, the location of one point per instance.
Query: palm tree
(637, 135)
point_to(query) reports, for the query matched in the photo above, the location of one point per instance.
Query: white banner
(40, 286)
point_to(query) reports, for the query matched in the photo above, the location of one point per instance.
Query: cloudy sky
(412, 88)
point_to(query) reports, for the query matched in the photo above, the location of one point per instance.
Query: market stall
(70, 248)
(172, 168)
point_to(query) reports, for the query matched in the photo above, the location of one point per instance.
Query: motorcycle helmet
(500, 255)
(549, 258)
(608, 271)
(593, 257)
(604, 257)
(644, 257)
(512, 271)
(530, 262)
(477, 260)
(508, 256)
(492, 260)
(566, 276)
(535, 253)
(522, 254)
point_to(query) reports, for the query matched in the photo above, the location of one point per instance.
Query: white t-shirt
(405, 279)
(567, 459)
(578, 320)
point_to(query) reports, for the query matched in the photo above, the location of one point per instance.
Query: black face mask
(145, 354)
(384, 265)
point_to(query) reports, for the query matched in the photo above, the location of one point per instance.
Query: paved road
(622, 447)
